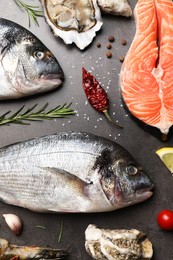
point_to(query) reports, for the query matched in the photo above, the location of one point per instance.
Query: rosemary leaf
(32, 11)
(39, 226)
(20, 117)
(30, 109)
(60, 232)
(16, 113)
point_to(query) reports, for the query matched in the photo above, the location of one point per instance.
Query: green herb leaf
(20, 117)
(32, 11)
(42, 227)
(60, 232)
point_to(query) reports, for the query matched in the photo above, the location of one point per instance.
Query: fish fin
(74, 181)
(72, 186)
(4, 45)
(65, 173)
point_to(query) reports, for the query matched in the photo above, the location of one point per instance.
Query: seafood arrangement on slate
(77, 171)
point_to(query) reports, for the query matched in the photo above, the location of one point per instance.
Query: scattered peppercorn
(111, 38)
(121, 59)
(123, 42)
(108, 54)
(109, 46)
(98, 44)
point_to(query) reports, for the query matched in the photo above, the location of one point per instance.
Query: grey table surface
(140, 143)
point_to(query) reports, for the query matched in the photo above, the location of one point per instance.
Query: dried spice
(98, 44)
(121, 59)
(111, 38)
(108, 54)
(109, 46)
(123, 42)
(96, 95)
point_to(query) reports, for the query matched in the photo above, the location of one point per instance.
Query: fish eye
(39, 55)
(132, 170)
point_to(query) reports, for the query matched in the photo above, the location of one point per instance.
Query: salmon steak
(146, 76)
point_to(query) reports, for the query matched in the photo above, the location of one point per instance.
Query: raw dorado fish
(9, 251)
(27, 67)
(147, 72)
(117, 244)
(71, 172)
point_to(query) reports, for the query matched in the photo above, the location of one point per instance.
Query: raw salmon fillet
(147, 73)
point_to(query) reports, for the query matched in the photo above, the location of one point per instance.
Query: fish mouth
(53, 79)
(144, 193)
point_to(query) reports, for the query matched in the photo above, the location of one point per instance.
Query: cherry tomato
(165, 219)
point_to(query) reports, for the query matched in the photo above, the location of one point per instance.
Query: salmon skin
(27, 66)
(71, 172)
(147, 71)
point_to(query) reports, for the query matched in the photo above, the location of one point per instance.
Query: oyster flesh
(118, 244)
(115, 7)
(73, 20)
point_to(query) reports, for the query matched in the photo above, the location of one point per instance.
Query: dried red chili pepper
(96, 95)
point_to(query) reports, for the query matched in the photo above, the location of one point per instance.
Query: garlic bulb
(14, 223)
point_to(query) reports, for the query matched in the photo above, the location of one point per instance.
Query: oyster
(118, 244)
(73, 20)
(115, 7)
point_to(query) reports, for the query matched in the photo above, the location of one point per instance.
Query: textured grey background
(133, 137)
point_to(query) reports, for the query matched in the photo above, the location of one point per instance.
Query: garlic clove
(14, 223)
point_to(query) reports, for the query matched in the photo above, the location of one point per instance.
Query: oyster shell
(73, 20)
(118, 244)
(115, 7)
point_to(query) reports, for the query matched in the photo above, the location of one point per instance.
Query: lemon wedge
(166, 155)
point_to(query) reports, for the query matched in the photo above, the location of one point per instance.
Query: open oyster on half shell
(73, 20)
(117, 244)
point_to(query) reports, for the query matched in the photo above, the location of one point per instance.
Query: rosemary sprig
(32, 11)
(20, 117)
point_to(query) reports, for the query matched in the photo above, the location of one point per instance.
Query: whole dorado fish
(71, 172)
(26, 66)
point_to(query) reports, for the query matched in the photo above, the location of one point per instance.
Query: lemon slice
(166, 155)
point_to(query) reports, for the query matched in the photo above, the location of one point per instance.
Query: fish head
(29, 67)
(123, 181)
(37, 68)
